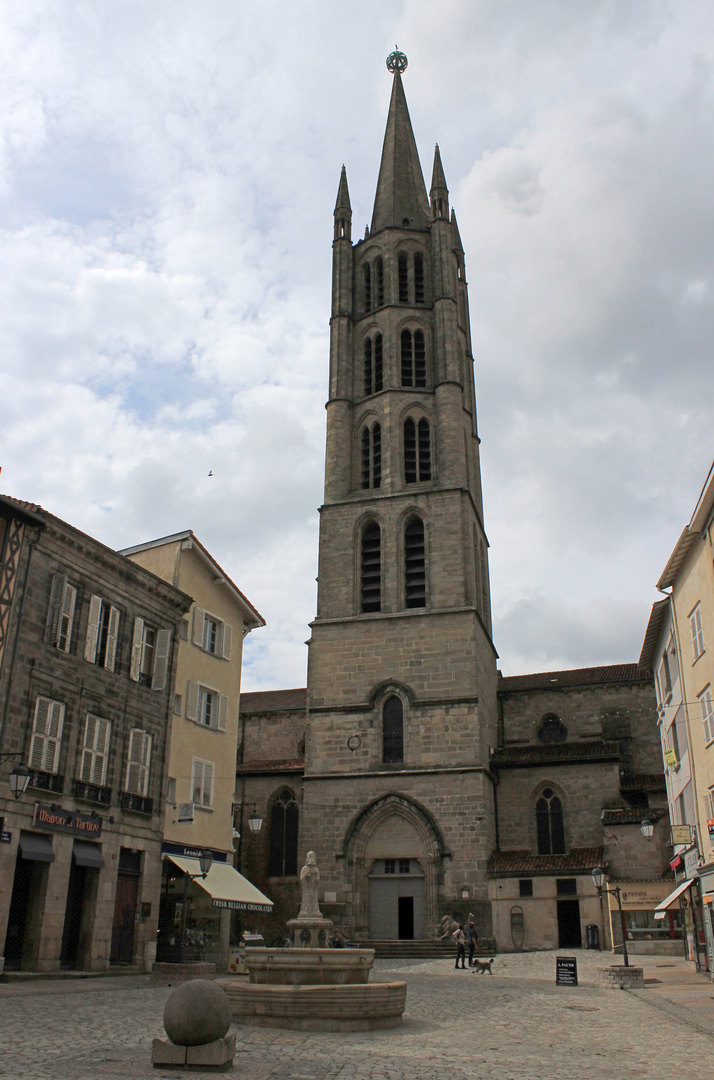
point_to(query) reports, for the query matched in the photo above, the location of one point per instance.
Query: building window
(284, 835)
(46, 735)
(373, 379)
(178, 704)
(525, 887)
(417, 451)
(371, 567)
(413, 354)
(390, 866)
(418, 279)
(549, 824)
(367, 286)
(403, 270)
(138, 763)
(415, 564)
(566, 887)
(212, 634)
(206, 706)
(100, 646)
(552, 730)
(695, 625)
(404, 866)
(707, 707)
(371, 457)
(95, 751)
(393, 731)
(63, 600)
(379, 280)
(202, 783)
(150, 651)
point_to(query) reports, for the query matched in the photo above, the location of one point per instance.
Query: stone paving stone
(515, 1025)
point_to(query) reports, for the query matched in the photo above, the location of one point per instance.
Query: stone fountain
(310, 987)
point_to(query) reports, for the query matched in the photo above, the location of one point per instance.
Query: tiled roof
(577, 861)
(644, 782)
(623, 815)
(33, 507)
(657, 617)
(564, 753)
(273, 700)
(280, 766)
(591, 676)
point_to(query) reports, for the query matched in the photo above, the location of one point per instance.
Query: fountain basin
(330, 1007)
(311, 967)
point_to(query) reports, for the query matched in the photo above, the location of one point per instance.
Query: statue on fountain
(309, 884)
(310, 930)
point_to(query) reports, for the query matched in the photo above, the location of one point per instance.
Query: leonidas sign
(54, 817)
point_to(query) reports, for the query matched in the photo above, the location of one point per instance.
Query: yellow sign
(681, 834)
(670, 757)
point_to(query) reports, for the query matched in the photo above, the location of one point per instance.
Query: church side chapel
(427, 784)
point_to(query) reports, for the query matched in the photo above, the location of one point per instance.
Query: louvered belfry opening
(371, 567)
(379, 281)
(410, 451)
(377, 363)
(367, 286)
(368, 381)
(365, 459)
(415, 564)
(407, 359)
(403, 270)
(418, 279)
(424, 450)
(417, 451)
(376, 455)
(393, 731)
(419, 359)
(371, 457)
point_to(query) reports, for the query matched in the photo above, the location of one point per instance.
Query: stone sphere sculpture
(198, 1012)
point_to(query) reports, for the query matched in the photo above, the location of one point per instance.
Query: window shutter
(192, 701)
(101, 747)
(198, 617)
(133, 767)
(137, 640)
(197, 786)
(59, 582)
(47, 735)
(145, 762)
(227, 640)
(112, 638)
(37, 749)
(208, 771)
(161, 659)
(95, 614)
(85, 772)
(222, 723)
(66, 620)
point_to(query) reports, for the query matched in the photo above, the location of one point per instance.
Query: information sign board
(566, 971)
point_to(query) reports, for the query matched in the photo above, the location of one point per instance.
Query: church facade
(387, 764)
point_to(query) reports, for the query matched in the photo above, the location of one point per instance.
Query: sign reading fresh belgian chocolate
(566, 971)
(54, 817)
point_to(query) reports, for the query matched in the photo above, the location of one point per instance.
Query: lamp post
(598, 879)
(255, 824)
(205, 862)
(19, 777)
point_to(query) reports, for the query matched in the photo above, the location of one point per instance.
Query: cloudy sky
(168, 172)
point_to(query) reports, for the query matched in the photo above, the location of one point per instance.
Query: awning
(36, 847)
(661, 908)
(87, 854)
(226, 887)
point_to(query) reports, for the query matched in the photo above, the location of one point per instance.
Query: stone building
(414, 773)
(87, 663)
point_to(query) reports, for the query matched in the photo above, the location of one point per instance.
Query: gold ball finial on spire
(397, 61)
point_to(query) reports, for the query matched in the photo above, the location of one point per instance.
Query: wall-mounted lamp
(647, 828)
(19, 777)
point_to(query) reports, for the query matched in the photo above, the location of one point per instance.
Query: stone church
(425, 783)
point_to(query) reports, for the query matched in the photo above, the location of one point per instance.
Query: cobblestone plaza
(517, 1025)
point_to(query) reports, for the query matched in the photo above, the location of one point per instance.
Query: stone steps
(422, 949)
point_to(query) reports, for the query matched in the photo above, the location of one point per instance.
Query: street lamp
(598, 879)
(255, 822)
(647, 828)
(19, 777)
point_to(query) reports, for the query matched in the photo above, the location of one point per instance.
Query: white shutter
(199, 615)
(227, 640)
(101, 748)
(112, 637)
(137, 641)
(66, 619)
(192, 701)
(145, 762)
(133, 767)
(90, 644)
(85, 772)
(197, 786)
(208, 771)
(59, 582)
(37, 747)
(222, 723)
(161, 659)
(47, 735)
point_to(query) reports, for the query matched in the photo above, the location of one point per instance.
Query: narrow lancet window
(367, 286)
(417, 451)
(393, 731)
(365, 458)
(415, 564)
(410, 452)
(419, 359)
(403, 265)
(371, 568)
(379, 281)
(407, 359)
(418, 279)
(550, 827)
(371, 457)
(424, 450)
(368, 384)
(377, 363)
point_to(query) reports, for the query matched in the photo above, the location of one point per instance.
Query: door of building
(17, 919)
(397, 898)
(122, 950)
(71, 954)
(569, 932)
(405, 913)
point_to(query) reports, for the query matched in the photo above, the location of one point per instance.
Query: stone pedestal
(215, 1056)
(619, 977)
(311, 933)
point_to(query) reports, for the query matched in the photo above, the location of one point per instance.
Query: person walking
(460, 939)
(471, 939)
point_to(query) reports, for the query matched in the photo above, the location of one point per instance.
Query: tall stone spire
(439, 193)
(343, 209)
(401, 198)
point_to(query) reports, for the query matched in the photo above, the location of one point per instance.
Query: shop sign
(190, 852)
(681, 834)
(242, 905)
(644, 894)
(691, 863)
(710, 827)
(671, 758)
(54, 817)
(5, 837)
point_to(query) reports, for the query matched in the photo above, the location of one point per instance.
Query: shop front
(688, 898)
(645, 932)
(194, 912)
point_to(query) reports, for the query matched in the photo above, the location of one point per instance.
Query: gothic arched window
(284, 835)
(418, 279)
(552, 730)
(414, 564)
(403, 271)
(371, 568)
(367, 286)
(413, 354)
(393, 730)
(550, 829)
(417, 451)
(379, 280)
(372, 456)
(373, 365)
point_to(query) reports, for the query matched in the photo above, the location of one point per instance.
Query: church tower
(398, 797)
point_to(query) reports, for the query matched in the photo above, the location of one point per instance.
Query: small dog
(482, 966)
